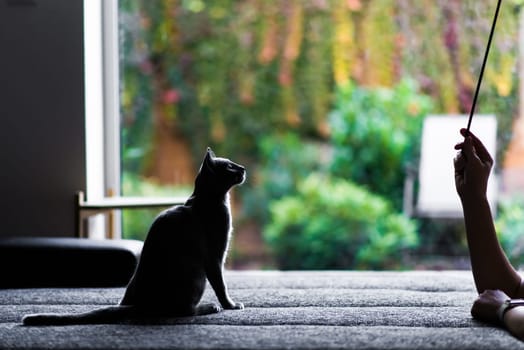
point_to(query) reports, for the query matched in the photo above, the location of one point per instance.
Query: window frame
(102, 110)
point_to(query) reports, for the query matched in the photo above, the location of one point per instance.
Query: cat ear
(210, 153)
(209, 158)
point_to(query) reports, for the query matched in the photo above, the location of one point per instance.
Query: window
(324, 101)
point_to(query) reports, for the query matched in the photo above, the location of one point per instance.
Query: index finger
(480, 149)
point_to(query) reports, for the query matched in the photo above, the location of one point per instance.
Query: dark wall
(42, 138)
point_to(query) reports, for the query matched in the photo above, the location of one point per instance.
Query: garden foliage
(256, 80)
(344, 212)
(510, 226)
(376, 134)
(333, 223)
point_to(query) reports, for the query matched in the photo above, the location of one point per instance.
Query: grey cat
(185, 245)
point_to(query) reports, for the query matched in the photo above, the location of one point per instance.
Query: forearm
(491, 268)
(514, 321)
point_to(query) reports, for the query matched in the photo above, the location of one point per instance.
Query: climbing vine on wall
(222, 73)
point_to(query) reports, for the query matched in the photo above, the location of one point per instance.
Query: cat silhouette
(186, 244)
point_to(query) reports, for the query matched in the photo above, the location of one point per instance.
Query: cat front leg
(215, 276)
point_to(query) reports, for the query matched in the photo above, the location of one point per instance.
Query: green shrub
(287, 158)
(334, 224)
(510, 228)
(376, 133)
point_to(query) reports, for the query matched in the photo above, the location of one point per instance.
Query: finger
(460, 145)
(459, 171)
(480, 149)
(465, 132)
(459, 158)
(468, 149)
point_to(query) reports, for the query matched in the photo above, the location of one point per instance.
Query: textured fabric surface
(284, 310)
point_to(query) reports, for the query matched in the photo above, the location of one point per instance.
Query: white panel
(437, 195)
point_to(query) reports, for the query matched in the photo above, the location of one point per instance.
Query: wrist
(473, 198)
(474, 203)
(501, 311)
(506, 306)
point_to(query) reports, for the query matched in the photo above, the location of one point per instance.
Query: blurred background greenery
(323, 102)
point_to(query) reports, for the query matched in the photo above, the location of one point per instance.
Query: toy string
(472, 110)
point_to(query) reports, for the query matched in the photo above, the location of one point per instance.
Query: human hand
(487, 304)
(472, 167)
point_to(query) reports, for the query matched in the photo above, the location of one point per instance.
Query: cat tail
(107, 315)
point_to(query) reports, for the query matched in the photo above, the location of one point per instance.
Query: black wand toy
(472, 110)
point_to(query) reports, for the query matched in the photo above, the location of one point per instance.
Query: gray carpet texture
(283, 310)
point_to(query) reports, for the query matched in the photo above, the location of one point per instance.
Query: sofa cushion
(28, 262)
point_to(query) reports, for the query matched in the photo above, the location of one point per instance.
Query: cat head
(218, 175)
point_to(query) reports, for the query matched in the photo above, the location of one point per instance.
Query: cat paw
(206, 309)
(235, 306)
